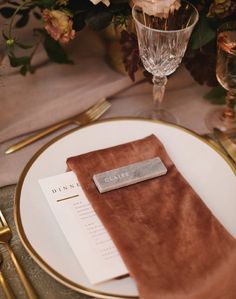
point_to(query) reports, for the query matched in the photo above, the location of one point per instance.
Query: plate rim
(16, 208)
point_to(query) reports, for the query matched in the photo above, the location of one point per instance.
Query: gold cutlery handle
(6, 287)
(24, 280)
(228, 145)
(37, 136)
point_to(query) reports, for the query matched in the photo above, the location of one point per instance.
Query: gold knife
(91, 114)
(228, 145)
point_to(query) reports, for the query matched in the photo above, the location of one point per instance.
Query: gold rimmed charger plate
(205, 167)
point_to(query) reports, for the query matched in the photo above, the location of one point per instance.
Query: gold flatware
(210, 138)
(81, 119)
(5, 286)
(231, 133)
(228, 145)
(5, 237)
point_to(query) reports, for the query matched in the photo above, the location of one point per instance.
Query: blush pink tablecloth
(56, 92)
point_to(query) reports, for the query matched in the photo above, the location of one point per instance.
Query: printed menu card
(83, 230)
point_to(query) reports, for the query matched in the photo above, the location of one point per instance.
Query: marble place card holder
(129, 174)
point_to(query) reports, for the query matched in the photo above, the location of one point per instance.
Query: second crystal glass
(162, 44)
(225, 118)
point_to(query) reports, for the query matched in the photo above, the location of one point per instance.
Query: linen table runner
(171, 243)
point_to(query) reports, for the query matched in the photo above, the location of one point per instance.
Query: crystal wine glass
(162, 44)
(225, 118)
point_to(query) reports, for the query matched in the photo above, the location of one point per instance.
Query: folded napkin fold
(170, 241)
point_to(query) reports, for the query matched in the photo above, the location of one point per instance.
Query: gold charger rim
(17, 218)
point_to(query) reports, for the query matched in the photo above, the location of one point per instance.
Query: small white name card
(82, 228)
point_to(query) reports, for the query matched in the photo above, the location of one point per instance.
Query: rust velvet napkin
(171, 243)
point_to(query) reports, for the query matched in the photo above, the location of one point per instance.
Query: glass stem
(229, 112)
(159, 85)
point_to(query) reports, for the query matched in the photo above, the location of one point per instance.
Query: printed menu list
(82, 229)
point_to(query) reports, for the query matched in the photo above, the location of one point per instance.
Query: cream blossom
(106, 2)
(62, 2)
(59, 25)
(159, 8)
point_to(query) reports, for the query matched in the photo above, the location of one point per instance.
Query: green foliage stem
(24, 3)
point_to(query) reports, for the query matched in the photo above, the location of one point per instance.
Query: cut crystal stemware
(162, 44)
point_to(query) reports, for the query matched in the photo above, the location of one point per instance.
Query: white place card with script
(82, 228)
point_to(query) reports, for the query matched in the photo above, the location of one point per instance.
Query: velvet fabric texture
(171, 243)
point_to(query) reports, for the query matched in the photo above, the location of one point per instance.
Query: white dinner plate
(206, 169)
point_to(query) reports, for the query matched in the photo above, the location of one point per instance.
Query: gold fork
(5, 237)
(5, 286)
(81, 119)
